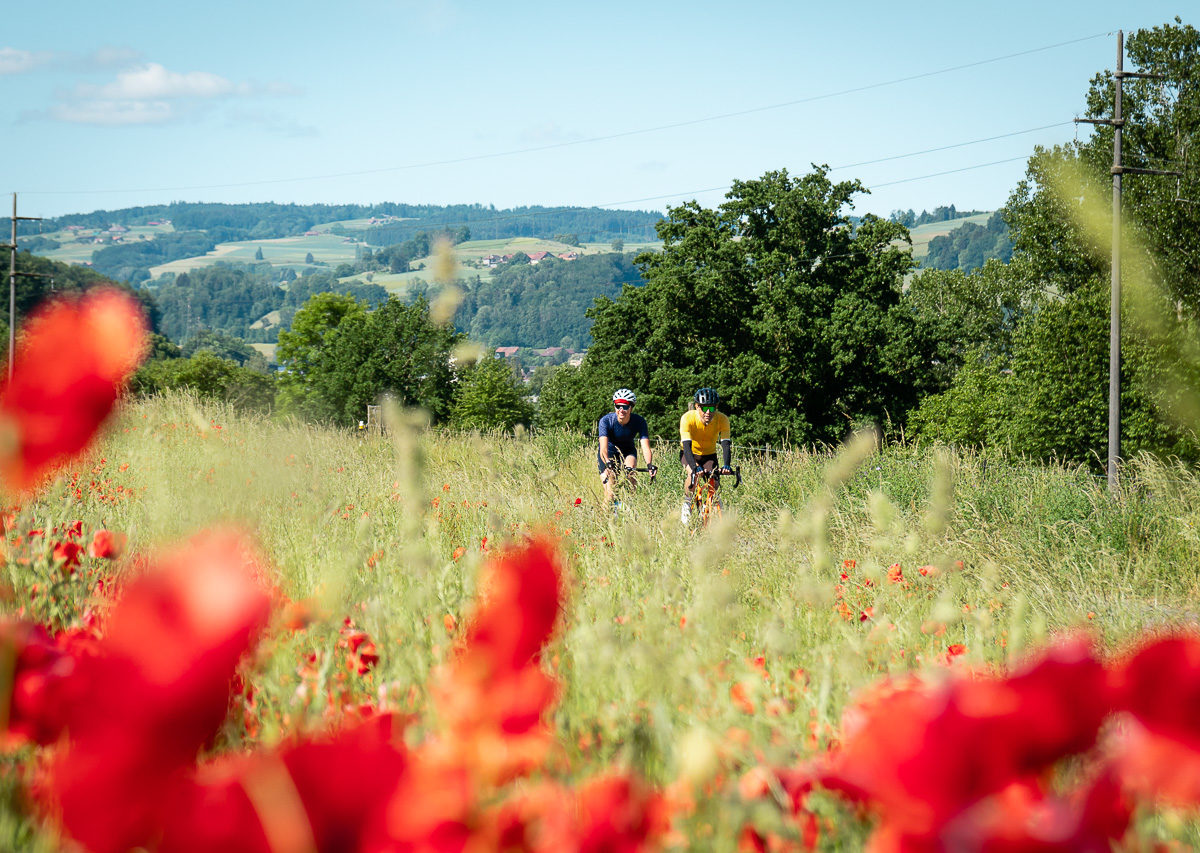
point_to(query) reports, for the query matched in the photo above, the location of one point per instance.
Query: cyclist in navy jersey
(620, 431)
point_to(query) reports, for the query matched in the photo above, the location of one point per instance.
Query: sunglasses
(624, 408)
(708, 408)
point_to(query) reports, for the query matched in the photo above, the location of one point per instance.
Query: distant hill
(922, 235)
(969, 246)
(137, 243)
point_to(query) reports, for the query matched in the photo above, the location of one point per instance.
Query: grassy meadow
(684, 653)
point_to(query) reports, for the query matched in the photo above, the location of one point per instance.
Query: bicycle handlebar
(717, 472)
(613, 466)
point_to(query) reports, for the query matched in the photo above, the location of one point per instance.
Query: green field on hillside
(922, 234)
(77, 246)
(330, 250)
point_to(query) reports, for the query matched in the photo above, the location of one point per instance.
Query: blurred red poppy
(73, 356)
(157, 690)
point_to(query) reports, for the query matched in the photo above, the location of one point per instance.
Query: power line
(601, 138)
(949, 172)
(879, 160)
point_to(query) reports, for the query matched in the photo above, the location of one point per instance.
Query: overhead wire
(599, 138)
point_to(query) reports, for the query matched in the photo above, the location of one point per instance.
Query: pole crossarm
(1108, 121)
(1134, 170)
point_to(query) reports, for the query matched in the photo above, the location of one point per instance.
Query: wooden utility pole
(12, 285)
(1114, 316)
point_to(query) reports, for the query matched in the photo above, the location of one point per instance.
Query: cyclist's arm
(647, 452)
(725, 446)
(688, 458)
(604, 448)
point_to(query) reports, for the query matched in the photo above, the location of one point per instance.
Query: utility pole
(1114, 317)
(12, 285)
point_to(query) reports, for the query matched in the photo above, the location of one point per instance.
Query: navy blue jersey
(622, 438)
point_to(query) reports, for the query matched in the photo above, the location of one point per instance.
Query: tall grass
(662, 622)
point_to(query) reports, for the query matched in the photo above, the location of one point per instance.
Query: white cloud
(153, 81)
(150, 93)
(16, 61)
(113, 113)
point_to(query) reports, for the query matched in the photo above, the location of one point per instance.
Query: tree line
(811, 326)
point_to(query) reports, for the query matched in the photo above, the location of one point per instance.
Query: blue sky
(623, 104)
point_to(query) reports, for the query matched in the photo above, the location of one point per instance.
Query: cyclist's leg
(685, 514)
(606, 478)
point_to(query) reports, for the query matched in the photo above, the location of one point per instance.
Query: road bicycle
(623, 480)
(706, 504)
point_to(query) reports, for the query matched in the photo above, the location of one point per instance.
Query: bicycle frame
(705, 503)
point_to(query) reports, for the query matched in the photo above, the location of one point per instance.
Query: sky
(631, 105)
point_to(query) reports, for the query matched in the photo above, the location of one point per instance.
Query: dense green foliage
(490, 396)
(221, 298)
(210, 377)
(40, 278)
(232, 298)
(544, 304)
(399, 257)
(339, 358)
(132, 261)
(225, 346)
(968, 246)
(773, 299)
(1047, 352)
(589, 224)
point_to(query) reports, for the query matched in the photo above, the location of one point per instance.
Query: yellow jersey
(704, 438)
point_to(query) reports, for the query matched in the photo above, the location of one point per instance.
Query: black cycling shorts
(701, 459)
(616, 454)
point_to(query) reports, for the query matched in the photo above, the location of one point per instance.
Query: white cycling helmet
(624, 395)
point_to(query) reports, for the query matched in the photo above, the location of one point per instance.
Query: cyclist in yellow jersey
(701, 429)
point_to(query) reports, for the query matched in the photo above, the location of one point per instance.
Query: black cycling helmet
(707, 397)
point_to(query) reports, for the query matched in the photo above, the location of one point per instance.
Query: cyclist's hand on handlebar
(652, 470)
(726, 470)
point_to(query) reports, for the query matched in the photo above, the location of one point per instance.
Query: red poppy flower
(106, 545)
(520, 597)
(156, 691)
(923, 756)
(68, 552)
(44, 684)
(1158, 753)
(73, 357)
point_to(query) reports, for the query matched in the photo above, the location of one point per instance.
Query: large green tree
(491, 396)
(1048, 354)
(300, 352)
(777, 300)
(346, 358)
